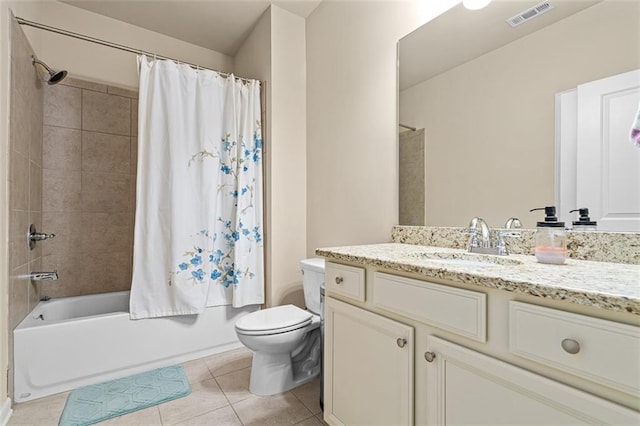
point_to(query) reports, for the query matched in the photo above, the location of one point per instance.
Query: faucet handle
(501, 246)
(473, 241)
(513, 222)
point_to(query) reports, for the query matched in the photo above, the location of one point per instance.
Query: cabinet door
(368, 368)
(466, 387)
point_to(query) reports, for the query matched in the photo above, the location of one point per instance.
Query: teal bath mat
(97, 403)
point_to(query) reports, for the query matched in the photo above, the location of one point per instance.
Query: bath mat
(97, 403)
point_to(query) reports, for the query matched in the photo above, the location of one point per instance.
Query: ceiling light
(475, 4)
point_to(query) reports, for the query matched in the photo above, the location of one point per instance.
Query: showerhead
(55, 77)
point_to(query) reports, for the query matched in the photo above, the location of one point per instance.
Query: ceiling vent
(529, 14)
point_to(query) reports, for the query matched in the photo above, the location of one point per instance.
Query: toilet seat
(279, 319)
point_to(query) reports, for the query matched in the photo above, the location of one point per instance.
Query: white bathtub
(76, 341)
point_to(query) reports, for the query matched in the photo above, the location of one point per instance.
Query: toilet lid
(275, 318)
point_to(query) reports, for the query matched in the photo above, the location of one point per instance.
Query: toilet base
(276, 373)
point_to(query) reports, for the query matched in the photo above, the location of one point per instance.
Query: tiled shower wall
(25, 180)
(89, 168)
(412, 179)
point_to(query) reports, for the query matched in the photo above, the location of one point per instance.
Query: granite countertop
(610, 286)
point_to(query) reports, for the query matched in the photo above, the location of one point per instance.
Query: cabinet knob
(339, 280)
(429, 356)
(401, 342)
(570, 346)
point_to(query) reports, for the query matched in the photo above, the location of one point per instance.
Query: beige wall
(490, 122)
(352, 175)
(288, 156)
(275, 52)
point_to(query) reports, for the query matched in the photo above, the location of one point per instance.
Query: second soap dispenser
(551, 238)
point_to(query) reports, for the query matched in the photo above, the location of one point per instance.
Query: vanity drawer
(605, 352)
(459, 311)
(345, 280)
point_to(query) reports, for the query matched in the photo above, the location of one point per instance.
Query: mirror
(484, 93)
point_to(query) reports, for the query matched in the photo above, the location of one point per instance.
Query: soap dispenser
(551, 238)
(584, 223)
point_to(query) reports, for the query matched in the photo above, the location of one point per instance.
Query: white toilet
(285, 339)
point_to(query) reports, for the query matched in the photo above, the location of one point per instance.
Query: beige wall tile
(36, 219)
(84, 84)
(61, 191)
(35, 135)
(62, 148)
(63, 106)
(120, 91)
(34, 286)
(134, 155)
(68, 230)
(18, 254)
(24, 76)
(105, 233)
(106, 113)
(68, 283)
(18, 295)
(134, 117)
(104, 153)
(18, 181)
(20, 125)
(112, 202)
(106, 272)
(35, 187)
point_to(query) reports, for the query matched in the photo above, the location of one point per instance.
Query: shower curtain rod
(22, 21)
(407, 127)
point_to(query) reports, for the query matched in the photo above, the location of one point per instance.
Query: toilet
(286, 340)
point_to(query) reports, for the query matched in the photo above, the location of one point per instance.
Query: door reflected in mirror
(485, 94)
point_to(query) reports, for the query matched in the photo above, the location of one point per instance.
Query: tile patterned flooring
(219, 396)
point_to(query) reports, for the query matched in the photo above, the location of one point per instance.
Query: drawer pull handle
(429, 356)
(571, 346)
(401, 342)
(339, 280)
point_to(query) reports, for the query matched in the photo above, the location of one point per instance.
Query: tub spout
(42, 276)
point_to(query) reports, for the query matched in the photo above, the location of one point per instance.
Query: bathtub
(77, 341)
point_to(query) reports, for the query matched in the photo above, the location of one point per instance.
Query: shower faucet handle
(34, 236)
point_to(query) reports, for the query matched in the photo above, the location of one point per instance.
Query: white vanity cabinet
(403, 349)
(368, 367)
(466, 387)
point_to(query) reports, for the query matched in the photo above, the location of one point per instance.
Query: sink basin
(466, 259)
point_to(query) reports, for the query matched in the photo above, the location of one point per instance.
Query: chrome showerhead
(55, 77)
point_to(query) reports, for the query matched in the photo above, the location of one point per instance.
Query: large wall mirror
(482, 98)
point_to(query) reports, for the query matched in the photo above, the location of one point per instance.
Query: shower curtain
(198, 237)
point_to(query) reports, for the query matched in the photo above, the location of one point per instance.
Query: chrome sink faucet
(473, 230)
(486, 247)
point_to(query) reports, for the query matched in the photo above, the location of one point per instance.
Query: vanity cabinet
(466, 387)
(403, 349)
(368, 367)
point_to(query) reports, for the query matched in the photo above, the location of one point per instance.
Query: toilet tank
(312, 280)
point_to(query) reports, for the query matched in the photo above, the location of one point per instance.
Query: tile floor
(219, 396)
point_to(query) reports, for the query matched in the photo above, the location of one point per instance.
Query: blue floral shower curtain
(198, 237)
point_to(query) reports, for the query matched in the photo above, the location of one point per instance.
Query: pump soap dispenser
(584, 223)
(551, 238)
